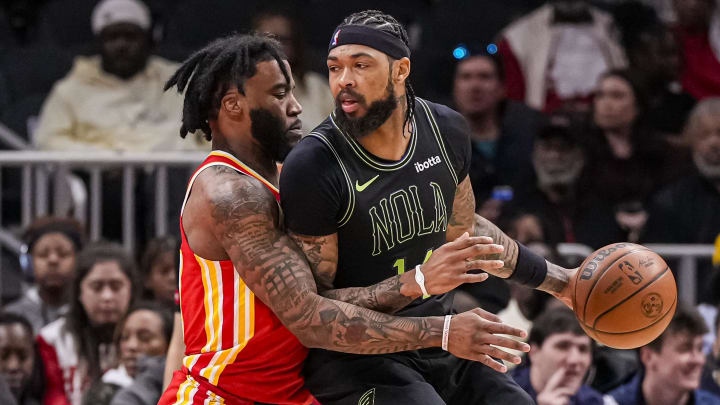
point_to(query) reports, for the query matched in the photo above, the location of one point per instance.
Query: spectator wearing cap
(52, 246)
(568, 209)
(672, 366)
(555, 55)
(115, 100)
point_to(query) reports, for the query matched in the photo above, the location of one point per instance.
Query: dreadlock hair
(387, 23)
(210, 72)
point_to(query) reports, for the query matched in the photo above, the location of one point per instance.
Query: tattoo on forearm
(483, 227)
(384, 296)
(245, 217)
(321, 252)
(556, 280)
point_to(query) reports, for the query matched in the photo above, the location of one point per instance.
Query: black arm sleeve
(311, 189)
(455, 132)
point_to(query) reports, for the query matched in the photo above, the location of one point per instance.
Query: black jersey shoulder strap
(351, 195)
(438, 137)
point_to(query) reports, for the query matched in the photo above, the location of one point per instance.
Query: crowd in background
(590, 123)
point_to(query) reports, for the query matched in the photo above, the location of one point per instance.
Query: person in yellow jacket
(115, 100)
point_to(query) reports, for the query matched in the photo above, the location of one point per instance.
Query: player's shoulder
(441, 112)
(314, 149)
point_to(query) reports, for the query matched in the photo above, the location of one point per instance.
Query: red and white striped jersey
(234, 341)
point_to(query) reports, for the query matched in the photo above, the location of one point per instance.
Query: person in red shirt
(701, 65)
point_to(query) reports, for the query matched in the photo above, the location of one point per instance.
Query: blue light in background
(492, 49)
(460, 52)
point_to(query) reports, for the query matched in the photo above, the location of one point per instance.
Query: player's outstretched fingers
(488, 361)
(483, 264)
(508, 343)
(481, 246)
(486, 315)
(466, 241)
(476, 277)
(500, 354)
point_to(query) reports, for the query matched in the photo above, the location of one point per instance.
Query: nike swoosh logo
(360, 188)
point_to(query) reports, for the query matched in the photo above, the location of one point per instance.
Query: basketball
(624, 295)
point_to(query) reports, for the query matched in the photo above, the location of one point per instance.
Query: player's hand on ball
(475, 333)
(449, 266)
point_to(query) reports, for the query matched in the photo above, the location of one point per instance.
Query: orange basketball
(624, 295)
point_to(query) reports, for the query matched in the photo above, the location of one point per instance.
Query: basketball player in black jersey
(369, 195)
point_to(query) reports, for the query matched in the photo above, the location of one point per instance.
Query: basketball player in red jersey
(248, 299)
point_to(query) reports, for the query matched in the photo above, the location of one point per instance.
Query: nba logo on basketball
(335, 38)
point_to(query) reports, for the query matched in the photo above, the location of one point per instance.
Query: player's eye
(333, 68)
(361, 65)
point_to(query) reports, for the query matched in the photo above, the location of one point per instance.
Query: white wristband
(420, 279)
(446, 332)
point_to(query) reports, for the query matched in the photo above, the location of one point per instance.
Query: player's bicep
(245, 224)
(463, 214)
(322, 254)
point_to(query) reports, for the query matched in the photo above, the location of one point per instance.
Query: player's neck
(250, 154)
(658, 393)
(391, 139)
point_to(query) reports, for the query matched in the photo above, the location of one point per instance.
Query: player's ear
(233, 104)
(401, 70)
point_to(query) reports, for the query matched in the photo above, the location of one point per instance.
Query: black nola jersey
(389, 215)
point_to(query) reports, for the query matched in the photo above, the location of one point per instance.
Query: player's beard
(708, 170)
(269, 130)
(377, 113)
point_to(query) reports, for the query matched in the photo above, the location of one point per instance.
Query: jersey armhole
(351, 196)
(438, 138)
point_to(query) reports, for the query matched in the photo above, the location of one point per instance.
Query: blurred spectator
(502, 130)
(115, 100)
(20, 365)
(77, 349)
(626, 160)
(671, 366)
(555, 55)
(710, 380)
(653, 52)
(312, 90)
(566, 206)
(142, 339)
(701, 65)
(159, 270)
(675, 218)
(52, 246)
(560, 357)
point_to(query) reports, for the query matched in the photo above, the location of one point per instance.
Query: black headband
(374, 38)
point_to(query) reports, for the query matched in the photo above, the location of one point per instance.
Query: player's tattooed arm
(464, 219)
(388, 296)
(245, 219)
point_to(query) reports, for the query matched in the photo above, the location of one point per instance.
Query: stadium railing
(38, 168)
